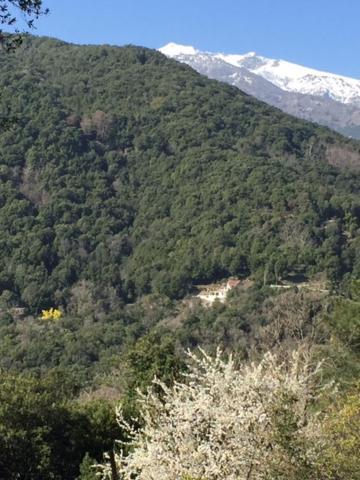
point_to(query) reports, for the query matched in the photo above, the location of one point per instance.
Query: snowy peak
(296, 78)
(239, 60)
(174, 49)
(285, 75)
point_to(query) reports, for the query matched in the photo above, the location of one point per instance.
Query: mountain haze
(326, 98)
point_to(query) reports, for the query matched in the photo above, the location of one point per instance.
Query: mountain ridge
(329, 99)
(281, 73)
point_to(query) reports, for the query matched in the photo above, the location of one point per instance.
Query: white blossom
(222, 422)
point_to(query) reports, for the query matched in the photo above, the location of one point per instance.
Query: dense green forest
(129, 173)
(126, 179)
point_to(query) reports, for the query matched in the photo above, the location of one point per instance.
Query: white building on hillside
(210, 293)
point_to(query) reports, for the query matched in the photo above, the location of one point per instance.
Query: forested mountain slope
(321, 97)
(126, 172)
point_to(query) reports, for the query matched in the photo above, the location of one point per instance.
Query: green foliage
(45, 433)
(87, 471)
(37, 434)
(345, 319)
(103, 428)
(153, 355)
(129, 173)
(128, 179)
(85, 345)
(342, 427)
(342, 349)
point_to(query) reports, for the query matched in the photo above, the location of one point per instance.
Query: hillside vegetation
(127, 173)
(126, 179)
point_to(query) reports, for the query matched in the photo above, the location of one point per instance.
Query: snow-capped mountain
(326, 98)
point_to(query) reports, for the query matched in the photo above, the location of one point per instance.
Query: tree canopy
(129, 173)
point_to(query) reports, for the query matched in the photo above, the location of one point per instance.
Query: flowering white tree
(226, 423)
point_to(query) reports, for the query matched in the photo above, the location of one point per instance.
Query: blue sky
(322, 34)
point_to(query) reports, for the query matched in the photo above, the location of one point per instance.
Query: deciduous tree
(227, 423)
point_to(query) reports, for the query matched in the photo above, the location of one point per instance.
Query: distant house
(232, 283)
(210, 293)
(17, 313)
